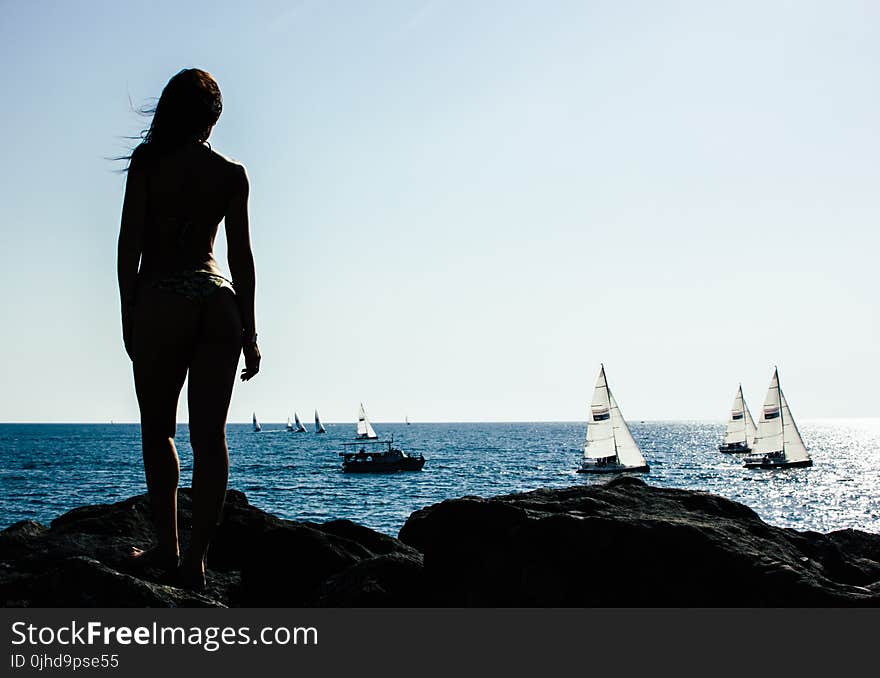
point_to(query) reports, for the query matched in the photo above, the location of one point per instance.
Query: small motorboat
(378, 456)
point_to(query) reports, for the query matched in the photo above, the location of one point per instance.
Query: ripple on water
(299, 477)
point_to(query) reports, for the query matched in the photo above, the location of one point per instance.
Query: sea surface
(47, 469)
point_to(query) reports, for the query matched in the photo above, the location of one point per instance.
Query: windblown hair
(188, 108)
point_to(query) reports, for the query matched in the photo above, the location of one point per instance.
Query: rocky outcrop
(624, 543)
(629, 544)
(256, 560)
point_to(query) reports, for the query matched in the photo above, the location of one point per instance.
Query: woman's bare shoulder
(234, 169)
(229, 163)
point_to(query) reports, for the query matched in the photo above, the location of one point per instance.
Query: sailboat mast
(611, 416)
(781, 419)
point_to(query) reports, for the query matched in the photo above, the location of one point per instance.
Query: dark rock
(629, 544)
(85, 582)
(24, 529)
(256, 559)
(392, 580)
(620, 544)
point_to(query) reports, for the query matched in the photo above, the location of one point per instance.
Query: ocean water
(47, 469)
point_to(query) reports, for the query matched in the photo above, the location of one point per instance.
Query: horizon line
(414, 423)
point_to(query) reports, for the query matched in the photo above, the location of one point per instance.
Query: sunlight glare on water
(46, 469)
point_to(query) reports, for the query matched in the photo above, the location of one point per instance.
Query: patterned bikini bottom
(194, 285)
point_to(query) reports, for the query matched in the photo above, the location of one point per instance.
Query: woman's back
(188, 194)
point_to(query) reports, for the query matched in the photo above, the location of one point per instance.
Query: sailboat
(740, 427)
(406, 419)
(778, 443)
(298, 425)
(364, 429)
(610, 446)
(257, 427)
(319, 427)
(289, 425)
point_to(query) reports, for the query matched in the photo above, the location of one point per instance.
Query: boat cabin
(368, 450)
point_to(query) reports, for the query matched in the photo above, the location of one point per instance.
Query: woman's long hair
(188, 108)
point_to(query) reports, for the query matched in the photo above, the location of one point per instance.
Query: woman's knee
(207, 438)
(157, 437)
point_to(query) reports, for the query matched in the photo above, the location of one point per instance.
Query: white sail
(319, 427)
(793, 444)
(257, 426)
(628, 452)
(364, 429)
(777, 430)
(608, 434)
(298, 424)
(600, 434)
(737, 423)
(289, 425)
(769, 437)
(751, 429)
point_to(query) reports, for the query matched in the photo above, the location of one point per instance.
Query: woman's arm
(241, 266)
(130, 246)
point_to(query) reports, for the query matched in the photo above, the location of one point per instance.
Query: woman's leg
(211, 378)
(164, 325)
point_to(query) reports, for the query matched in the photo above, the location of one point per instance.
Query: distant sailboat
(289, 424)
(741, 428)
(298, 425)
(610, 446)
(364, 429)
(778, 443)
(406, 419)
(257, 427)
(319, 427)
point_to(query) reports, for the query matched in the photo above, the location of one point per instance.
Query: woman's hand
(251, 359)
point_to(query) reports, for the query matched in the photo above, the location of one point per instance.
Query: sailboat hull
(612, 468)
(735, 448)
(769, 463)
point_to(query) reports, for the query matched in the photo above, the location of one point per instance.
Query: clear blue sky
(460, 208)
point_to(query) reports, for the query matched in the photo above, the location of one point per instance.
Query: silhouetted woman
(180, 317)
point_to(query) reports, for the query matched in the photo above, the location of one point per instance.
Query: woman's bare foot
(152, 558)
(191, 575)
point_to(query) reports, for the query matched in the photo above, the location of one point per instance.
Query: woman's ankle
(192, 563)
